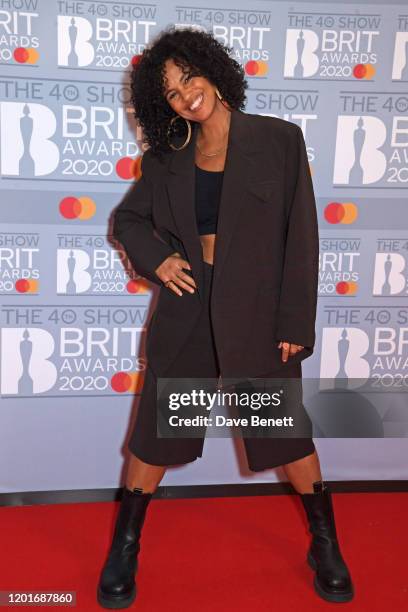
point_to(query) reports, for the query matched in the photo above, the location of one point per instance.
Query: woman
(263, 237)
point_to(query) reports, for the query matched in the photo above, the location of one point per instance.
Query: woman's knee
(142, 475)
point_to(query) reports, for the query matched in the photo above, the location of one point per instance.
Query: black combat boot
(117, 588)
(332, 579)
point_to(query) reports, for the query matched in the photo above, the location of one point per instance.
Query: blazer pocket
(264, 190)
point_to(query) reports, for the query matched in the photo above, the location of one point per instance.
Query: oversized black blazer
(266, 251)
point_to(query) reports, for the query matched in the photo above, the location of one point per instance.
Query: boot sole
(116, 603)
(332, 597)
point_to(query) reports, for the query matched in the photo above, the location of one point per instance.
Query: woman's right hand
(171, 269)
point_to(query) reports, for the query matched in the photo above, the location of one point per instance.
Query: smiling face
(191, 97)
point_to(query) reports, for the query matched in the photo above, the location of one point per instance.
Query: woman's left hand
(289, 349)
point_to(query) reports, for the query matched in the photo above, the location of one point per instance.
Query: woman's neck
(212, 133)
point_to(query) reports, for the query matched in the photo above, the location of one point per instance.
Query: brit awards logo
(390, 275)
(61, 350)
(370, 150)
(344, 350)
(19, 263)
(373, 351)
(339, 260)
(27, 132)
(107, 37)
(88, 265)
(248, 33)
(335, 47)
(19, 33)
(26, 368)
(75, 135)
(400, 58)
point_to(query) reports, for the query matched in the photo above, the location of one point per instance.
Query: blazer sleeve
(298, 295)
(133, 227)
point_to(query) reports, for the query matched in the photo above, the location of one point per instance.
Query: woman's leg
(303, 472)
(332, 579)
(116, 587)
(196, 359)
(144, 476)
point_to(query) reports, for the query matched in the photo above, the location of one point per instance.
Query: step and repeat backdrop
(74, 314)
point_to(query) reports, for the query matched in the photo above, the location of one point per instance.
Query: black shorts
(197, 358)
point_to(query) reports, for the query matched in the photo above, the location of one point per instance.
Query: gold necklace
(212, 154)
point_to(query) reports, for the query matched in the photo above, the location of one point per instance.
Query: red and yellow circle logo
(256, 68)
(24, 55)
(128, 168)
(346, 288)
(127, 382)
(77, 208)
(27, 285)
(341, 212)
(137, 286)
(364, 71)
(135, 60)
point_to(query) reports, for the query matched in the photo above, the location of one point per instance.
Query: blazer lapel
(239, 171)
(181, 190)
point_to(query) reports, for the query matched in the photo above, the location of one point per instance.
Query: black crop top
(208, 185)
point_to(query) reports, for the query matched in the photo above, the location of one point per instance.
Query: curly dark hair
(194, 51)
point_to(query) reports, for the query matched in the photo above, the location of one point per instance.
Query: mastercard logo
(364, 71)
(337, 212)
(128, 168)
(127, 382)
(137, 286)
(135, 60)
(77, 208)
(346, 288)
(24, 55)
(256, 68)
(26, 285)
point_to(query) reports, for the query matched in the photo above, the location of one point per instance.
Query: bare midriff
(208, 244)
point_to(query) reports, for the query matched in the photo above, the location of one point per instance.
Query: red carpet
(223, 554)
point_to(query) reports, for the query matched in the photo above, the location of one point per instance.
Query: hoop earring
(188, 134)
(217, 91)
(221, 99)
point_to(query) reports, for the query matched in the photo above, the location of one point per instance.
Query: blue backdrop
(74, 314)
